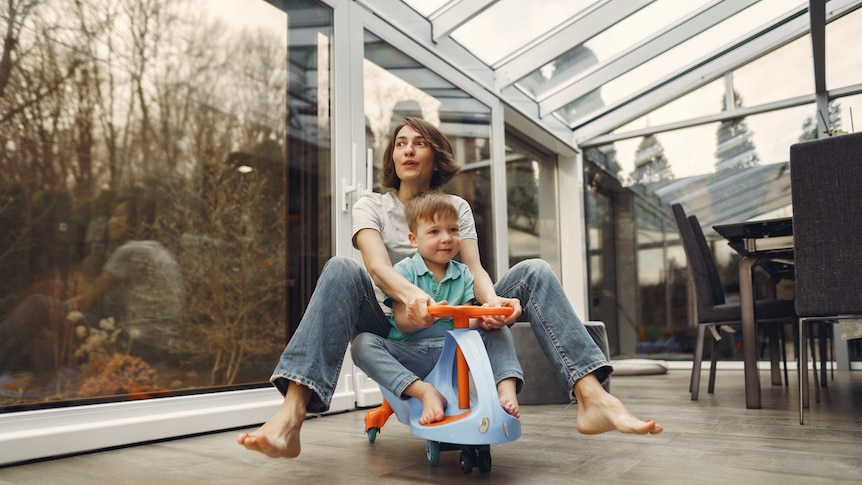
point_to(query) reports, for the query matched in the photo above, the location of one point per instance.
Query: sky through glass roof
(579, 61)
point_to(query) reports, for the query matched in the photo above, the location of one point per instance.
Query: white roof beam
(455, 14)
(701, 120)
(665, 91)
(394, 21)
(707, 17)
(579, 30)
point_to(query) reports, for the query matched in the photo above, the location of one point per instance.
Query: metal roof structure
(582, 68)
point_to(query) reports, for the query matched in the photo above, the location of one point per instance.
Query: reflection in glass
(397, 86)
(727, 171)
(532, 203)
(142, 199)
(309, 154)
(663, 285)
(602, 261)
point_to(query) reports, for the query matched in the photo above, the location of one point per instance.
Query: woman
(419, 158)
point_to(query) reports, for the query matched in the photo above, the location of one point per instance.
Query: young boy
(432, 219)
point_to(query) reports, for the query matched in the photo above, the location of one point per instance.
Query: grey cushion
(639, 367)
(541, 385)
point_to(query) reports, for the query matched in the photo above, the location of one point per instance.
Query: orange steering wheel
(461, 313)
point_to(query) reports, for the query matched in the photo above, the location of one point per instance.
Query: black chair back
(701, 266)
(708, 260)
(826, 190)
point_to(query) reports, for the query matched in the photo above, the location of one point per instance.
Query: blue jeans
(561, 334)
(396, 364)
(343, 305)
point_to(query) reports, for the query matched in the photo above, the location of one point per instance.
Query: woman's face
(413, 157)
(118, 224)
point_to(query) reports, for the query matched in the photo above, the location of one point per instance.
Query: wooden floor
(712, 441)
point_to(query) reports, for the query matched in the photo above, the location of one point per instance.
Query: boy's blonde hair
(428, 206)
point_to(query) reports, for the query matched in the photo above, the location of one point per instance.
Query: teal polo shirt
(456, 288)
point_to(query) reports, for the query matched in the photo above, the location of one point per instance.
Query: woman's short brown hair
(444, 159)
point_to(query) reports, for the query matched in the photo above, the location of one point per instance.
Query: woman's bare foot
(600, 412)
(508, 395)
(276, 439)
(433, 403)
(279, 435)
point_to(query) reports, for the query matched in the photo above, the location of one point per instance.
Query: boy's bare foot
(600, 412)
(279, 435)
(508, 395)
(433, 403)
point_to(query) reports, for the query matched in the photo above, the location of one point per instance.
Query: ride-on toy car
(474, 418)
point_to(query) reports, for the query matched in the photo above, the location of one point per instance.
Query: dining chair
(711, 303)
(826, 191)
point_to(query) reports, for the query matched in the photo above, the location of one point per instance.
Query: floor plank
(714, 440)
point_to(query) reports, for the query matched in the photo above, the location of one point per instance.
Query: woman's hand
(416, 307)
(410, 304)
(493, 322)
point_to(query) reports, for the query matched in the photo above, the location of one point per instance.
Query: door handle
(348, 186)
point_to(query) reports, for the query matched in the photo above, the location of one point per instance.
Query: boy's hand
(490, 322)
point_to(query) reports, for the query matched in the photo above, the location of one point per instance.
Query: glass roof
(485, 36)
(604, 75)
(579, 61)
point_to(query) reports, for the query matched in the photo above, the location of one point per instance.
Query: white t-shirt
(385, 214)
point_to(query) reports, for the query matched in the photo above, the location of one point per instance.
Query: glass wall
(532, 207)
(143, 198)
(722, 171)
(602, 261)
(663, 298)
(397, 86)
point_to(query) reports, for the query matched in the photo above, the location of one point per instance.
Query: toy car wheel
(432, 451)
(484, 461)
(372, 434)
(466, 463)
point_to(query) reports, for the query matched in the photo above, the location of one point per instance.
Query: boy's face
(438, 241)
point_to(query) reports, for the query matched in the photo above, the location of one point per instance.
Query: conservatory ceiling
(582, 68)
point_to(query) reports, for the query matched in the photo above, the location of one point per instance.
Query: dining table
(768, 243)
